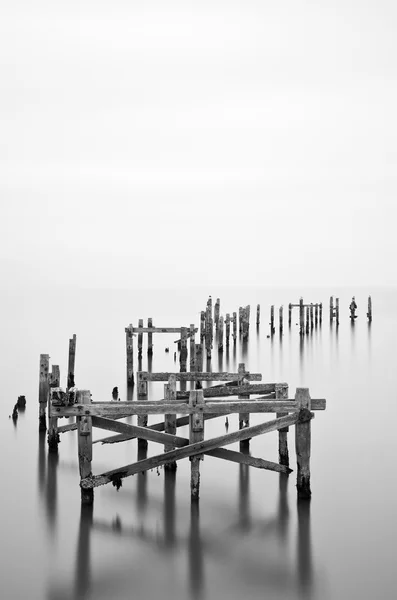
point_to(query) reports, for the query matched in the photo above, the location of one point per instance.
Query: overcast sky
(207, 141)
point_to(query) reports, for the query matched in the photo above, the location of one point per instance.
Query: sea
(248, 536)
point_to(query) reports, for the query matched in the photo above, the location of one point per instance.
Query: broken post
(130, 355)
(170, 419)
(196, 434)
(280, 319)
(289, 314)
(192, 340)
(301, 317)
(227, 328)
(282, 394)
(258, 314)
(53, 435)
(331, 308)
(44, 388)
(272, 329)
(71, 361)
(183, 352)
(216, 312)
(337, 310)
(369, 313)
(199, 357)
(234, 327)
(302, 442)
(150, 337)
(220, 335)
(84, 427)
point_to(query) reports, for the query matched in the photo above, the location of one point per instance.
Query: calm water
(248, 537)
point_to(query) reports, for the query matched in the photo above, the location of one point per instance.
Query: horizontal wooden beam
(73, 426)
(219, 407)
(246, 459)
(238, 390)
(193, 449)
(196, 375)
(159, 329)
(137, 431)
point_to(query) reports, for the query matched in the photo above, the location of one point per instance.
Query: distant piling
(71, 361)
(44, 389)
(369, 313)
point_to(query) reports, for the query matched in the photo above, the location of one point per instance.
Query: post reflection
(244, 499)
(304, 550)
(196, 559)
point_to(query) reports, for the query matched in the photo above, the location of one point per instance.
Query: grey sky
(255, 137)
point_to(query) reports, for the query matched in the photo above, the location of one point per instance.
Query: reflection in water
(244, 351)
(283, 510)
(83, 554)
(51, 490)
(227, 358)
(301, 354)
(304, 550)
(142, 478)
(196, 559)
(244, 504)
(169, 508)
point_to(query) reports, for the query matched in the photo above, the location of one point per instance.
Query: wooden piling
(316, 314)
(53, 435)
(140, 338)
(243, 418)
(331, 308)
(234, 326)
(170, 419)
(227, 329)
(208, 328)
(302, 443)
(192, 352)
(289, 314)
(311, 316)
(150, 337)
(183, 352)
(301, 317)
(220, 335)
(369, 313)
(280, 319)
(84, 428)
(71, 361)
(337, 310)
(307, 319)
(272, 329)
(196, 434)
(320, 306)
(217, 312)
(258, 314)
(202, 325)
(44, 388)
(130, 354)
(282, 394)
(142, 420)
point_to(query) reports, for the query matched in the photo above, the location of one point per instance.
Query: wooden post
(183, 353)
(150, 337)
(321, 312)
(196, 434)
(280, 319)
(258, 314)
(53, 435)
(311, 316)
(243, 418)
(301, 317)
(337, 310)
(316, 314)
(216, 312)
(44, 388)
(272, 329)
(248, 316)
(142, 420)
(283, 457)
(199, 357)
(71, 361)
(84, 427)
(220, 335)
(302, 444)
(170, 419)
(227, 329)
(369, 313)
(140, 338)
(234, 327)
(192, 340)
(240, 320)
(130, 355)
(307, 319)
(289, 314)
(208, 328)
(331, 308)
(202, 325)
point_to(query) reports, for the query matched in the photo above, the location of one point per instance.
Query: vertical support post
(208, 327)
(71, 361)
(283, 456)
(199, 358)
(183, 353)
(316, 314)
(196, 434)
(369, 313)
(272, 329)
(301, 317)
(202, 325)
(331, 308)
(217, 312)
(130, 354)
(140, 338)
(303, 442)
(311, 316)
(234, 327)
(280, 319)
(53, 435)
(170, 419)
(307, 319)
(248, 316)
(220, 335)
(243, 418)
(192, 340)
(150, 337)
(142, 420)
(240, 320)
(44, 389)
(337, 310)
(84, 428)
(289, 314)
(227, 329)
(321, 312)
(258, 313)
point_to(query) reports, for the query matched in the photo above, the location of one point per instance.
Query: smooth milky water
(248, 536)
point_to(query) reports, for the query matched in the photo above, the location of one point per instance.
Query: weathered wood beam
(193, 375)
(225, 390)
(191, 450)
(246, 459)
(221, 407)
(140, 432)
(158, 329)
